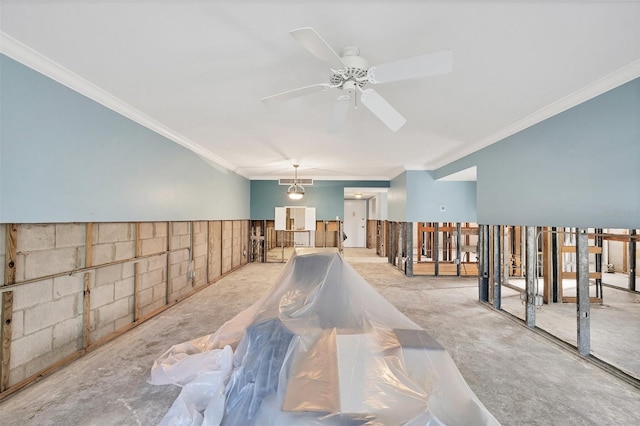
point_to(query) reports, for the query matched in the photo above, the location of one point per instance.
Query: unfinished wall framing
(399, 240)
(372, 231)
(69, 287)
(446, 249)
(382, 236)
(264, 237)
(566, 266)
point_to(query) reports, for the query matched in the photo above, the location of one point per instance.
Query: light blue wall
(397, 198)
(415, 196)
(326, 196)
(578, 168)
(427, 196)
(66, 158)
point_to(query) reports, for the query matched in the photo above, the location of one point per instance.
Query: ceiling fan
(350, 73)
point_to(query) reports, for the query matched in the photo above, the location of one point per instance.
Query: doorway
(355, 223)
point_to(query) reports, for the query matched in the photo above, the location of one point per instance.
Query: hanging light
(295, 191)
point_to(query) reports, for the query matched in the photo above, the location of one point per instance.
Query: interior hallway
(522, 378)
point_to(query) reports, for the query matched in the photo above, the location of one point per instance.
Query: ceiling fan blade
(284, 96)
(319, 48)
(382, 109)
(440, 62)
(339, 115)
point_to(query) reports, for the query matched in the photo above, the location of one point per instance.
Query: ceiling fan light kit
(295, 191)
(350, 73)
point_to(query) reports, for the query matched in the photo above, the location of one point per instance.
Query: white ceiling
(196, 70)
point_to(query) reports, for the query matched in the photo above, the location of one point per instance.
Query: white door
(355, 223)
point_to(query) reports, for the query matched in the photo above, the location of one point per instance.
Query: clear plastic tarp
(321, 347)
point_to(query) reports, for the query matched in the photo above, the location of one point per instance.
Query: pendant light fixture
(295, 191)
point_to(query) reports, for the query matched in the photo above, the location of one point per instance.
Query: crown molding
(590, 91)
(327, 178)
(42, 64)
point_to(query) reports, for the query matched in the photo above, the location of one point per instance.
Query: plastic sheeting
(321, 347)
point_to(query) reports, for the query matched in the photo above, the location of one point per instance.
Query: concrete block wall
(200, 251)
(245, 242)
(154, 240)
(113, 242)
(180, 265)
(49, 249)
(214, 266)
(48, 324)
(227, 244)
(111, 299)
(236, 253)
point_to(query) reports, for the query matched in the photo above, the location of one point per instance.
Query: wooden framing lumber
(10, 254)
(167, 283)
(7, 317)
(86, 296)
(137, 309)
(86, 315)
(7, 304)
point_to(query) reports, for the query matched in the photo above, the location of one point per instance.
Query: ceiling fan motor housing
(355, 68)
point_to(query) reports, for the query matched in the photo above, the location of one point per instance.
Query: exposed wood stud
(400, 244)
(408, 248)
(573, 249)
(625, 256)
(5, 353)
(86, 316)
(86, 313)
(215, 250)
(598, 242)
(505, 244)
(137, 309)
(167, 285)
(10, 254)
(265, 249)
(390, 245)
(7, 304)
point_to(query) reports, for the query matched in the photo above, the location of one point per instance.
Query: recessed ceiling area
(196, 71)
(466, 175)
(363, 193)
